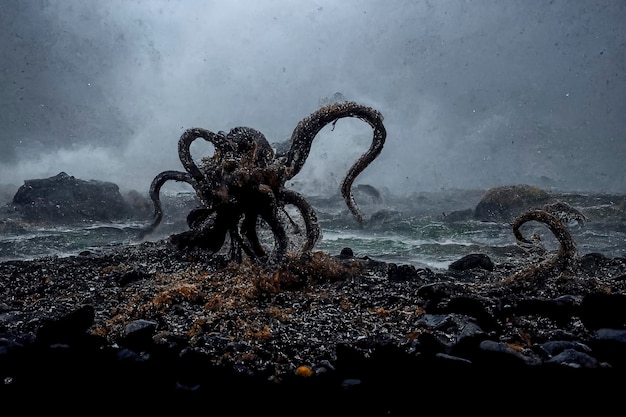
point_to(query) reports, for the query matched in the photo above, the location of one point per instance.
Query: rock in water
(66, 199)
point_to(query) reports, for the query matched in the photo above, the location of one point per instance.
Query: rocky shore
(149, 326)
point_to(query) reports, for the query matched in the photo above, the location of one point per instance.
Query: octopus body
(244, 180)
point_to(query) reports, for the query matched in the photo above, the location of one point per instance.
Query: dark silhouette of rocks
(473, 260)
(504, 203)
(66, 199)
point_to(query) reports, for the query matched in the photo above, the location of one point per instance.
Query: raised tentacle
(155, 189)
(304, 133)
(567, 248)
(219, 141)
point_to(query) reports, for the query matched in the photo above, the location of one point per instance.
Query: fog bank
(474, 94)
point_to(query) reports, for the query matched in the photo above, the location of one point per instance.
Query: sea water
(404, 231)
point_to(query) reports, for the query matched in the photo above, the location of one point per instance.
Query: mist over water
(474, 94)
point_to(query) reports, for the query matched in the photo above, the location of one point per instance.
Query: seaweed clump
(298, 270)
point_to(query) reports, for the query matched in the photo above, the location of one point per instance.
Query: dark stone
(138, 334)
(400, 273)
(574, 358)
(590, 261)
(554, 347)
(65, 199)
(11, 227)
(346, 253)
(603, 310)
(497, 354)
(473, 260)
(370, 191)
(472, 307)
(66, 329)
(430, 345)
(124, 278)
(610, 345)
(560, 309)
(505, 203)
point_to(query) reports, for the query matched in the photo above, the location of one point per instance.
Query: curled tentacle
(219, 141)
(268, 210)
(251, 243)
(210, 229)
(567, 248)
(155, 189)
(304, 133)
(308, 215)
(281, 241)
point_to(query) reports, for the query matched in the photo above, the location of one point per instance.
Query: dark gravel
(146, 327)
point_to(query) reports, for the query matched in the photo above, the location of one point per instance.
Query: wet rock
(575, 359)
(402, 272)
(138, 334)
(473, 260)
(561, 309)
(609, 345)
(604, 310)
(505, 203)
(346, 253)
(66, 199)
(67, 329)
(501, 354)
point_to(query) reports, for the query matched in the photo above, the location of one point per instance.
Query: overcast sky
(474, 93)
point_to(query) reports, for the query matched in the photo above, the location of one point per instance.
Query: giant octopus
(241, 187)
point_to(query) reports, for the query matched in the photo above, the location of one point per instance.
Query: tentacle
(262, 202)
(211, 234)
(249, 224)
(281, 241)
(155, 189)
(248, 227)
(269, 211)
(308, 214)
(219, 141)
(567, 249)
(237, 244)
(198, 215)
(304, 133)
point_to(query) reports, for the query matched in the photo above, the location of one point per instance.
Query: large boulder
(65, 199)
(505, 203)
